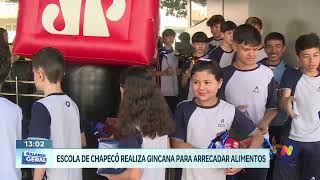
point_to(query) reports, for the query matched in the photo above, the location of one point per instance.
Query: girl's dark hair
(142, 105)
(210, 66)
(4, 45)
(4, 66)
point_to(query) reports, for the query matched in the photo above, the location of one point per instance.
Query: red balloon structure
(122, 32)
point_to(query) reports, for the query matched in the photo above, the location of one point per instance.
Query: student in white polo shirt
(11, 124)
(251, 87)
(300, 90)
(198, 121)
(55, 117)
(169, 69)
(224, 53)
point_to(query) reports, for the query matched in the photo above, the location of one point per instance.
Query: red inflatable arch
(121, 32)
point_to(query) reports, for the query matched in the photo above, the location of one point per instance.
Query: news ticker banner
(44, 156)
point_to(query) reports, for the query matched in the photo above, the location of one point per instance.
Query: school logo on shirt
(221, 123)
(67, 103)
(318, 89)
(256, 90)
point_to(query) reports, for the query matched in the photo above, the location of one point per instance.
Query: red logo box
(121, 32)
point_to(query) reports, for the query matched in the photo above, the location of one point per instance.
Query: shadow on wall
(293, 30)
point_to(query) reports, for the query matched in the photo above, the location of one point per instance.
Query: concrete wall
(290, 17)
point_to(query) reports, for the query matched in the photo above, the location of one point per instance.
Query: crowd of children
(232, 81)
(281, 102)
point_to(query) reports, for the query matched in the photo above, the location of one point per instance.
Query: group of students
(243, 94)
(235, 77)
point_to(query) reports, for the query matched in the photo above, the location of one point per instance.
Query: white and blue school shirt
(199, 125)
(11, 130)
(278, 71)
(169, 84)
(135, 140)
(254, 88)
(306, 91)
(222, 57)
(213, 43)
(56, 117)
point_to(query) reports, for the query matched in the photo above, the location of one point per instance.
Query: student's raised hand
(232, 171)
(287, 104)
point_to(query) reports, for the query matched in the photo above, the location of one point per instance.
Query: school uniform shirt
(222, 57)
(169, 84)
(306, 91)
(11, 128)
(136, 141)
(213, 43)
(278, 71)
(254, 88)
(56, 117)
(199, 125)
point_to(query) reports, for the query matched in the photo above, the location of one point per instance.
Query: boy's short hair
(228, 26)
(215, 19)
(247, 34)
(184, 37)
(4, 66)
(51, 61)
(199, 37)
(307, 41)
(168, 32)
(254, 21)
(275, 36)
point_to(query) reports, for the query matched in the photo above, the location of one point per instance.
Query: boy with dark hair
(224, 53)
(169, 67)
(199, 43)
(257, 23)
(55, 117)
(274, 45)
(250, 87)
(11, 124)
(300, 98)
(215, 23)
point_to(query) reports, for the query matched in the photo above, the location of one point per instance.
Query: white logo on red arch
(94, 17)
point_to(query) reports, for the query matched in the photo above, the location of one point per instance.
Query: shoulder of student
(267, 70)
(184, 104)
